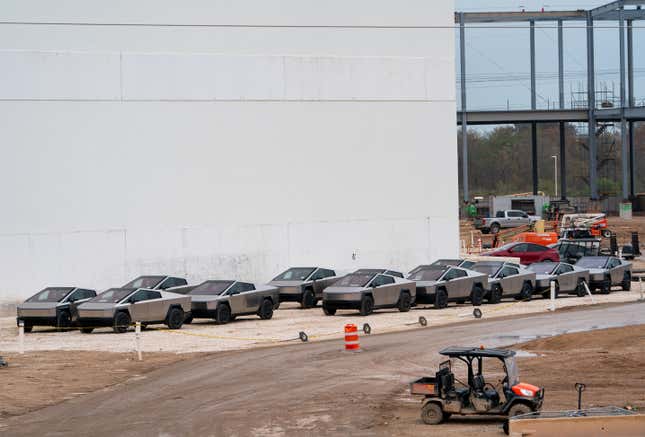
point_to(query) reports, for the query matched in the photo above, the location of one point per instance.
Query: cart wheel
(518, 410)
(606, 233)
(432, 414)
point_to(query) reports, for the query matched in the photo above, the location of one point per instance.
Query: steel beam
(561, 64)
(591, 101)
(534, 158)
(632, 159)
(532, 55)
(630, 63)
(613, 7)
(623, 123)
(563, 161)
(464, 120)
(525, 17)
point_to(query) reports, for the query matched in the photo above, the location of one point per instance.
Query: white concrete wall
(323, 134)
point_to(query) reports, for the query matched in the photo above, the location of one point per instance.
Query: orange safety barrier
(351, 338)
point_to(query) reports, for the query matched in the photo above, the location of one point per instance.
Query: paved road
(300, 389)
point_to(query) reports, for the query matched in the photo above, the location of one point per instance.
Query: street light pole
(555, 172)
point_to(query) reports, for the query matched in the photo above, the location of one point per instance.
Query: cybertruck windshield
(429, 274)
(211, 288)
(594, 262)
(295, 274)
(543, 268)
(354, 280)
(144, 282)
(50, 295)
(113, 295)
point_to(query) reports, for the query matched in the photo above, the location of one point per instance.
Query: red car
(528, 253)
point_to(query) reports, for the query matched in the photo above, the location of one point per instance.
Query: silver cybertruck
(607, 271)
(506, 279)
(226, 300)
(120, 307)
(440, 284)
(53, 306)
(303, 284)
(369, 289)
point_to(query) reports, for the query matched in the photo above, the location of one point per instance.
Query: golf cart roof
(477, 352)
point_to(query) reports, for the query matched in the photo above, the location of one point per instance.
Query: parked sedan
(119, 307)
(528, 253)
(225, 300)
(303, 284)
(439, 285)
(53, 306)
(605, 271)
(366, 290)
(568, 278)
(506, 280)
(156, 282)
(466, 264)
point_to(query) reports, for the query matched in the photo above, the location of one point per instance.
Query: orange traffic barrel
(351, 338)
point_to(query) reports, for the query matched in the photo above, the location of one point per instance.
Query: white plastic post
(137, 339)
(589, 292)
(21, 337)
(552, 303)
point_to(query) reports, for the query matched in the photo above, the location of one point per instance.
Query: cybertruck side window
(320, 274)
(382, 280)
(507, 271)
(564, 269)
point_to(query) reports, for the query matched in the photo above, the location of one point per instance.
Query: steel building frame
(626, 114)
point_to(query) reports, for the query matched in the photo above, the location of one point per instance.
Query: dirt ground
(39, 379)
(609, 362)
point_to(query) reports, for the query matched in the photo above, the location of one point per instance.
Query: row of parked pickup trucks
(171, 301)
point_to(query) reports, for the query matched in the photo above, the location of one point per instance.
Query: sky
(498, 62)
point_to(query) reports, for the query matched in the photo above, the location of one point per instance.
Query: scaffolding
(598, 109)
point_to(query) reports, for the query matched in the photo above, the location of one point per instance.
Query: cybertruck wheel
(63, 320)
(175, 318)
(526, 292)
(87, 330)
(28, 328)
(329, 311)
(432, 414)
(581, 291)
(547, 294)
(122, 322)
(308, 299)
(605, 288)
(223, 314)
(266, 310)
(626, 285)
(188, 320)
(495, 295)
(405, 302)
(367, 305)
(477, 295)
(440, 299)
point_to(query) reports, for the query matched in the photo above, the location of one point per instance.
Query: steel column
(563, 164)
(561, 63)
(534, 152)
(534, 157)
(464, 121)
(563, 153)
(533, 85)
(632, 164)
(630, 63)
(624, 147)
(591, 102)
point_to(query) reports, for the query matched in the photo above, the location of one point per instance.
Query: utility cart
(476, 397)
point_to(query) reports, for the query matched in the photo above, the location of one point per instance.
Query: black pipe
(534, 154)
(563, 162)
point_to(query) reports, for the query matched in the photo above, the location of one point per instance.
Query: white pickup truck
(504, 219)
